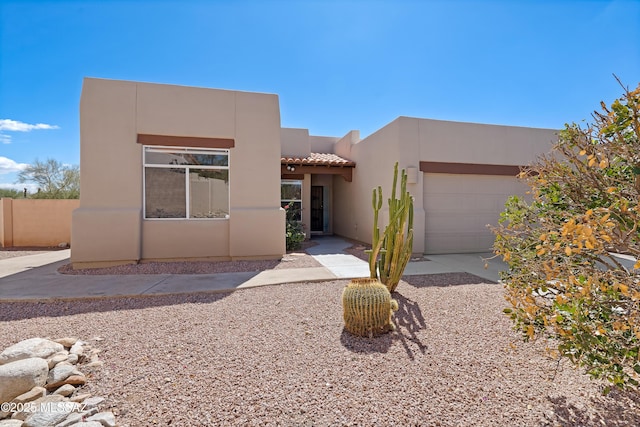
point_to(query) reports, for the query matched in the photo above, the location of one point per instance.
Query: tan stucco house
(172, 172)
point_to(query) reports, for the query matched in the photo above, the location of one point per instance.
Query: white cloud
(10, 166)
(16, 126)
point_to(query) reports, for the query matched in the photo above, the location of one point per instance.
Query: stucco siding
(176, 239)
(110, 225)
(445, 141)
(450, 211)
(374, 157)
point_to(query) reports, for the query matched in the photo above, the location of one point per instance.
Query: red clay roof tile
(318, 159)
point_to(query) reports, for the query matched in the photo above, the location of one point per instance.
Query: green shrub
(563, 281)
(294, 229)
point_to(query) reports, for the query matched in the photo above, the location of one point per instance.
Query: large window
(291, 198)
(186, 183)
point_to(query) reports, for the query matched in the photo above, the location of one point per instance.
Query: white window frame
(294, 181)
(165, 149)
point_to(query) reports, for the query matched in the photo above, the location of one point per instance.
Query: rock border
(41, 384)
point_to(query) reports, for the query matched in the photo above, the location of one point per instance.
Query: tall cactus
(395, 246)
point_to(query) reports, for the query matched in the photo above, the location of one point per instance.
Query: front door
(317, 208)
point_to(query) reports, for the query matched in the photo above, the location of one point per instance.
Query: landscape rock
(65, 390)
(21, 376)
(72, 379)
(31, 395)
(60, 372)
(67, 342)
(77, 379)
(38, 403)
(45, 385)
(57, 358)
(52, 414)
(77, 348)
(80, 397)
(93, 402)
(10, 423)
(32, 347)
(72, 419)
(88, 412)
(77, 417)
(107, 419)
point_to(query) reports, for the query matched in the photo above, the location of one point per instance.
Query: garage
(458, 208)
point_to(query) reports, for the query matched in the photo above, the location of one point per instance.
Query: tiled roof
(318, 159)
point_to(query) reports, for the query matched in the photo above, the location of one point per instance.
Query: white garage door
(459, 207)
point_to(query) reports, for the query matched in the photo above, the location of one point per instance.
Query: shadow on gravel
(365, 345)
(444, 280)
(611, 411)
(10, 311)
(408, 320)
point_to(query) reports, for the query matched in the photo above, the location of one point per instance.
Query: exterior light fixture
(291, 168)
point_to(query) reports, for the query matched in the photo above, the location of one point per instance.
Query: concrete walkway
(35, 277)
(15, 265)
(330, 253)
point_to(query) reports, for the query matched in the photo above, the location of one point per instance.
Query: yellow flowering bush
(567, 279)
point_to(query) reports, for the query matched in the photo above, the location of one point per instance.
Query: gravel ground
(292, 260)
(6, 253)
(278, 355)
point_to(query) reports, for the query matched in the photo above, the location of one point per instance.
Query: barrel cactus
(368, 307)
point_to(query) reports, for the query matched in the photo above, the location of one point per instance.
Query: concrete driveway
(36, 276)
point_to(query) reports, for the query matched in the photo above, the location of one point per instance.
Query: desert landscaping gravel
(278, 355)
(6, 253)
(290, 260)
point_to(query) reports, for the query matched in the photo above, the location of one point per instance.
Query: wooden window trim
(345, 172)
(185, 141)
(470, 168)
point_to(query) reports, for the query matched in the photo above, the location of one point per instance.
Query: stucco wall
(295, 142)
(322, 144)
(35, 222)
(298, 143)
(109, 227)
(446, 141)
(412, 140)
(459, 207)
(375, 156)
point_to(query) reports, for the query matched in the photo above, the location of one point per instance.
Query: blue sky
(336, 65)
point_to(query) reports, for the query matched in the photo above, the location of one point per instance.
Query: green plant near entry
(367, 307)
(390, 252)
(563, 281)
(294, 230)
